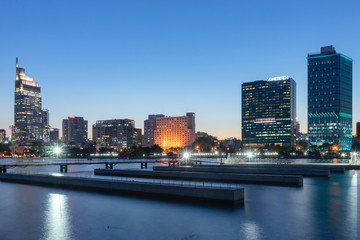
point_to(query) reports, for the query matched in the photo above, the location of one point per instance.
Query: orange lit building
(175, 132)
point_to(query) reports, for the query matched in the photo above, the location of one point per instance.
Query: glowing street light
(57, 150)
(186, 155)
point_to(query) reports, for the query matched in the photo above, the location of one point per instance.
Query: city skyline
(130, 71)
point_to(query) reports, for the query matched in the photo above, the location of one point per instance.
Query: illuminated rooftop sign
(278, 78)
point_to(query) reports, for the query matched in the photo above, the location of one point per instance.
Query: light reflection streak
(353, 203)
(57, 219)
(251, 231)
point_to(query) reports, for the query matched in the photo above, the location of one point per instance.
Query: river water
(324, 208)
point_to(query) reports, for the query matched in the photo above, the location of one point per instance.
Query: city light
(186, 155)
(249, 154)
(57, 150)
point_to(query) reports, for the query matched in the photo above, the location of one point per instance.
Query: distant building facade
(11, 133)
(149, 128)
(175, 132)
(46, 117)
(2, 135)
(116, 134)
(137, 137)
(269, 112)
(329, 99)
(358, 130)
(46, 125)
(28, 119)
(54, 135)
(75, 130)
(46, 133)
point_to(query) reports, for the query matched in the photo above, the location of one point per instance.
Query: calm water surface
(321, 209)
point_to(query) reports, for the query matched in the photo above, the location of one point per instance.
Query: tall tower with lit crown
(28, 114)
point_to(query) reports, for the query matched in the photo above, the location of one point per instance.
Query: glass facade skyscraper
(329, 99)
(28, 119)
(269, 112)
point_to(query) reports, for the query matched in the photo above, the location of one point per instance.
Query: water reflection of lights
(354, 201)
(251, 231)
(57, 220)
(57, 174)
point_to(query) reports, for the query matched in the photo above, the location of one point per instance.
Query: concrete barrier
(214, 177)
(221, 169)
(217, 194)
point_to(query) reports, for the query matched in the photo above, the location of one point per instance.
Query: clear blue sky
(127, 59)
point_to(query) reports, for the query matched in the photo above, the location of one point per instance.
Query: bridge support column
(143, 165)
(108, 165)
(174, 163)
(63, 168)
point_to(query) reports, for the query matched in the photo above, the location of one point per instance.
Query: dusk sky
(127, 59)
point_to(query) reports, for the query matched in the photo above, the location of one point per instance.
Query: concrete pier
(213, 177)
(225, 195)
(332, 169)
(221, 169)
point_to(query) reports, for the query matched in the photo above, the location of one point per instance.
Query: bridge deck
(37, 164)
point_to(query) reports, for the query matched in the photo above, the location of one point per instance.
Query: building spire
(17, 65)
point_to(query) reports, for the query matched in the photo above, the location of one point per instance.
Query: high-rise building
(75, 130)
(54, 135)
(269, 112)
(2, 135)
(116, 134)
(175, 132)
(28, 121)
(46, 119)
(46, 133)
(149, 128)
(46, 125)
(11, 133)
(329, 99)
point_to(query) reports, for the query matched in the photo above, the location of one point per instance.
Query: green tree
(203, 144)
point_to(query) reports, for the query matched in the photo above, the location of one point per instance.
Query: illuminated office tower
(75, 130)
(329, 99)
(149, 128)
(28, 121)
(116, 134)
(269, 112)
(175, 132)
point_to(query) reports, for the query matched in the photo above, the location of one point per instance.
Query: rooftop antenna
(17, 65)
